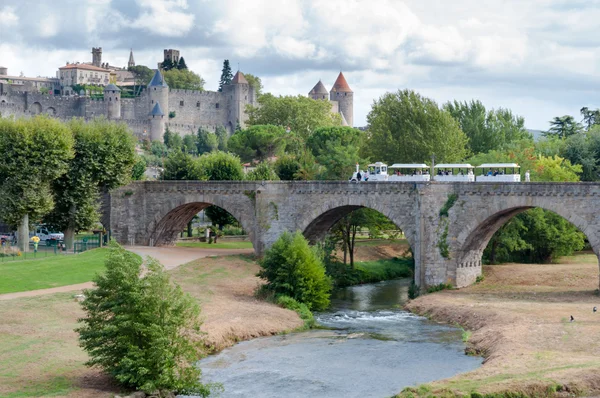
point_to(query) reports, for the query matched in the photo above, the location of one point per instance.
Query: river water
(371, 349)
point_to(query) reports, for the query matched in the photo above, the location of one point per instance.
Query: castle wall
(59, 106)
(94, 108)
(195, 108)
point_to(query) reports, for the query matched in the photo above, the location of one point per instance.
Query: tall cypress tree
(181, 64)
(226, 75)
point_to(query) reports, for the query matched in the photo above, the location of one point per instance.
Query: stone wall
(196, 108)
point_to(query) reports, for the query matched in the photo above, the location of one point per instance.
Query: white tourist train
(445, 172)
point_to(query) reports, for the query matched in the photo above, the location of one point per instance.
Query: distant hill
(537, 134)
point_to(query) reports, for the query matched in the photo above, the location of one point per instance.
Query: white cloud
(8, 16)
(165, 17)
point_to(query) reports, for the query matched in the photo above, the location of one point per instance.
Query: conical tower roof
(239, 78)
(158, 80)
(157, 110)
(341, 85)
(319, 88)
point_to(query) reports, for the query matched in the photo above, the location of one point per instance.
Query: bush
(369, 271)
(413, 290)
(300, 308)
(138, 329)
(292, 268)
(439, 288)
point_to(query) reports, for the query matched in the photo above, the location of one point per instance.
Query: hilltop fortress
(155, 108)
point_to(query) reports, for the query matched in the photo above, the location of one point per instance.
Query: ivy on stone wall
(444, 224)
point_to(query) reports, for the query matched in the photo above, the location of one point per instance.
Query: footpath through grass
(218, 245)
(62, 270)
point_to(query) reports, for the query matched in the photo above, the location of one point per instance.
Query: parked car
(45, 235)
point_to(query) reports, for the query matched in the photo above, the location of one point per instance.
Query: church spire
(131, 62)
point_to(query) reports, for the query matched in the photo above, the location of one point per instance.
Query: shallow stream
(373, 349)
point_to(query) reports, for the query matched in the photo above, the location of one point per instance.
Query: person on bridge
(527, 176)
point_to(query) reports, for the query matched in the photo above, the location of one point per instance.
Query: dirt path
(170, 257)
(519, 317)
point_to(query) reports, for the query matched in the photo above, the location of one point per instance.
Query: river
(371, 349)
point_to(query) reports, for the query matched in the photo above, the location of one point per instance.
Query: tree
(292, 268)
(181, 65)
(563, 127)
(190, 144)
(408, 128)
(35, 152)
(222, 138)
(183, 79)
(226, 75)
(258, 142)
(142, 74)
(255, 82)
(172, 140)
(263, 172)
(590, 117)
(141, 329)
(206, 141)
(337, 150)
(487, 130)
(139, 168)
(286, 167)
(220, 166)
(167, 65)
(104, 159)
(182, 166)
(301, 114)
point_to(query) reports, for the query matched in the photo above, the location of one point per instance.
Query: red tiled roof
(84, 66)
(341, 85)
(239, 78)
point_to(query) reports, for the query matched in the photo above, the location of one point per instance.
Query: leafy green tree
(190, 144)
(255, 82)
(226, 75)
(487, 130)
(206, 141)
(141, 329)
(181, 65)
(35, 152)
(182, 166)
(591, 117)
(563, 127)
(408, 128)
(167, 65)
(301, 114)
(183, 79)
(309, 168)
(220, 166)
(139, 168)
(172, 140)
(159, 149)
(292, 268)
(142, 74)
(258, 142)
(286, 167)
(222, 138)
(337, 150)
(263, 172)
(104, 159)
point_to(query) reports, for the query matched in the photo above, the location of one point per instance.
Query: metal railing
(10, 251)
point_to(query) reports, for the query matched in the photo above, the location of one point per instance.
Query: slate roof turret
(319, 88)
(111, 87)
(158, 80)
(157, 111)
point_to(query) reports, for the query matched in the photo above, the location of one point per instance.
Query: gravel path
(170, 257)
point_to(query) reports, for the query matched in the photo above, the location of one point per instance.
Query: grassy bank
(20, 276)
(218, 245)
(518, 319)
(370, 271)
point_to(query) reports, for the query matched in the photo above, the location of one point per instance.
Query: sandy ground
(39, 352)
(519, 317)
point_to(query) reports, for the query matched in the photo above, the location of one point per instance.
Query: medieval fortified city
(181, 214)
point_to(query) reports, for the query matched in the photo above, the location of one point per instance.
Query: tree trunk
(69, 239)
(351, 250)
(23, 234)
(190, 232)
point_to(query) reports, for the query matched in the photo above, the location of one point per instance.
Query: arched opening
(202, 224)
(528, 235)
(361, 242)
(36, 108)
(51, 111)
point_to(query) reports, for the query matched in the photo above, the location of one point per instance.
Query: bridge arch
(477, 230)
(36, 108)
(173, 218)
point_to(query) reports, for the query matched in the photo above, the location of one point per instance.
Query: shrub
(292, 268)
(138, 329)
(413, 290)
(300, 308)
(439, 288)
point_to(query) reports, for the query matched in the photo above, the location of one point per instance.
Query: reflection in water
(374, 350)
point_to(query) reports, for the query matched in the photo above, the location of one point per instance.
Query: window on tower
(180, 103)
(217, 105)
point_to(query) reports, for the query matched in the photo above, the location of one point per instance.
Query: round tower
(158, 92)
(112, 98)
(319, 92)
(344, 96)
(157, 123)
(239, 90)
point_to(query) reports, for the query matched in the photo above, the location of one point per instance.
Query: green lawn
(218, 245)
(61, 270)
(380, 242)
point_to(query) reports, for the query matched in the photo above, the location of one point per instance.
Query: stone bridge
(447, 249)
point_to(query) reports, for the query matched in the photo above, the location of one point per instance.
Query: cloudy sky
(540, 58)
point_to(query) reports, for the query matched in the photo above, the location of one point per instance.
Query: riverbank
(518, 318)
